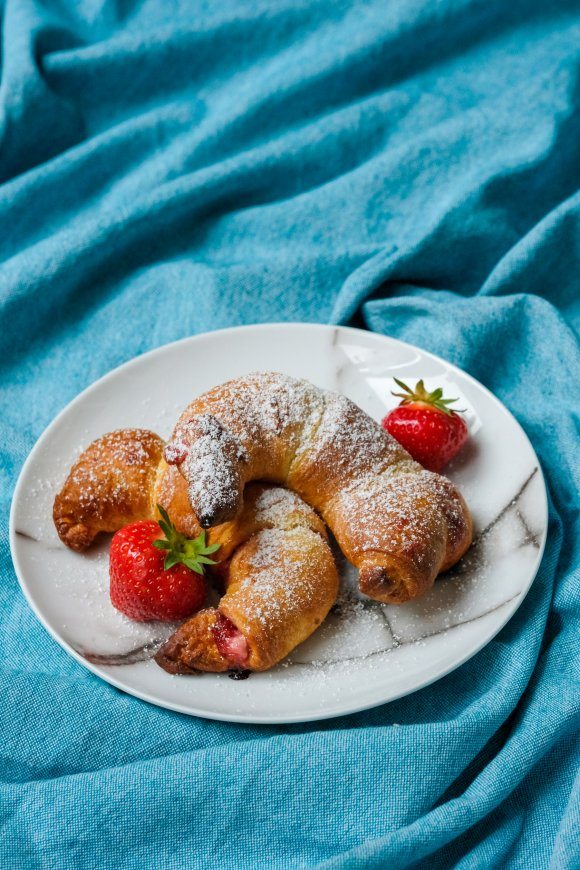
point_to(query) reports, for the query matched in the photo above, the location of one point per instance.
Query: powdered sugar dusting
(279, 507)
(269, 424)
(267, 403)
(277, 587)
(390, 510)
(211, 456)
(350, 441)
(112, 472)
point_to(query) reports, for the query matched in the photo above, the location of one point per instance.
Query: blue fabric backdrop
(167, 168)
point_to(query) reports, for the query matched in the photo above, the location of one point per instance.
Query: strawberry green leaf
(164, 515)
(194, 565)
(404, 386)
(213, 548)
(191, 552)
(161, 544)
(422, 396)
(170, 560)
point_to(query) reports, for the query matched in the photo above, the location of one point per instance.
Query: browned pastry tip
(265, 507)
(458, 519)
(109, 486)
(392, 581)
(192, 648)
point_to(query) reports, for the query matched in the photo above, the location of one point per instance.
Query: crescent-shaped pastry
(397, 523)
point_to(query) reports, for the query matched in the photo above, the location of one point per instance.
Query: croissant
(397, 523)
(274, 558)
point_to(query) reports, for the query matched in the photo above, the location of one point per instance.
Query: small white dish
(365, 653)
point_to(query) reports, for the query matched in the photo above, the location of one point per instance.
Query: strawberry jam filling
(230, 641)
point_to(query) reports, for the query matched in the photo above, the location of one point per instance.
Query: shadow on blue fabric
(168, 168)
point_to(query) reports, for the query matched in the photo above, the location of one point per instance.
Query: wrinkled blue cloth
(412, 167)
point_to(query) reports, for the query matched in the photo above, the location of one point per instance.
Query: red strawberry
(423, 424)
(154, 577)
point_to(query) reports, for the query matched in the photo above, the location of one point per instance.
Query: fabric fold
(411, 168)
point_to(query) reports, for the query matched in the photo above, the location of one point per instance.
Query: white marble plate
(365, 653)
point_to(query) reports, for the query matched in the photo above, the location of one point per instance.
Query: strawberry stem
(191, 552)
(420, 394)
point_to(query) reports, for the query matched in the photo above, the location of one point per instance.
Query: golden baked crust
(399, 524)
(109, 486)
(192, 648)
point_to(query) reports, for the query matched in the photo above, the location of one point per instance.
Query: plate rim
(241, 718)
